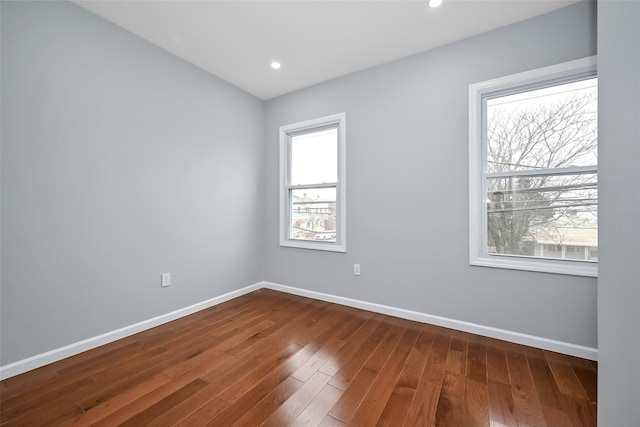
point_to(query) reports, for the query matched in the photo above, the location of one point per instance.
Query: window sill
(328, 247)
(572, 268)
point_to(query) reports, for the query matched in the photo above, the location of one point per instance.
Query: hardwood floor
(274, 359)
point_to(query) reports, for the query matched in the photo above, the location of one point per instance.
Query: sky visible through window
(529, 111)
(314, 157)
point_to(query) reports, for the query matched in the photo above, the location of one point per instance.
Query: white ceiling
(315, 41)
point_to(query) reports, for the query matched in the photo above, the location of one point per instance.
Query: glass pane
(554, 127)
(544, 216)
(314, 157)
(313, 214)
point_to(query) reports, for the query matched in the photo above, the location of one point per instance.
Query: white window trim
(340, 245)
(478, 254)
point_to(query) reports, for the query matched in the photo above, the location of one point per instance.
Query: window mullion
(311, 186)
(572, 170)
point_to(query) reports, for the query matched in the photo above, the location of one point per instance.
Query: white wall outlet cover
(165, 279)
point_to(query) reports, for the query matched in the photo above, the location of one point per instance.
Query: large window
(533, 201)
(312, 184)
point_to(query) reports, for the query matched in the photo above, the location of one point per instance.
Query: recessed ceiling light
(275, 65)
(435, 3)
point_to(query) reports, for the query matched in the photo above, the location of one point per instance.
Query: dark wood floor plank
(317, 336)
(210, 397)
(111, 383)
(108, 407)
(328, 350)
(373, 404)
(418, 356)
(232, 412)
(237, 374)
(52, 418)
(207, 349)
(142, 403)
(221, 371)
(293, 407)
(281, 321)
(279, 359)
(422, 411)
(216, 368)
(350, 368)
(589, 381)
(497, 365)
(356, 386)
(316, 411)
(567, 380)
(175, 365)
(450, 404)
(552, 356)
(186, 327)
(501, 406)
(47, 376)
(122, 370)
(50, 385)
(329, 421)
(476, 369)
(434, 369)
(457, 356)
(353, 395)
(272, 401)
(530, 351)
(475, 404)
(353, 345)
(497, 344)
(17, 407)
(548, 392)
(305, 331)
(208, 404)
(155, 410)
(4, 391)
(523, 390)
(234, 382)
(556, 417)
(581, 412)
(58, 408)
(395, 411)
(89, 365)
(165, 389)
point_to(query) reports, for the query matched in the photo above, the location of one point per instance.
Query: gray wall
(119, 162)
(407, 186)
(619, 169)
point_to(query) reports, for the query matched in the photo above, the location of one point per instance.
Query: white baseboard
(487, 331)
(43, 359)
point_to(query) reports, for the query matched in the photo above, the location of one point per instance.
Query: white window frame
(337, 121)
(478, 94)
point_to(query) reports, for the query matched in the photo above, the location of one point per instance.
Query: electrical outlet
(165, 279)
(356, 269)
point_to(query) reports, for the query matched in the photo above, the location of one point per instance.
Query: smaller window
(312, 184)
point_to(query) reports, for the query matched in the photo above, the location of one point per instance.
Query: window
(312, 184)
(533, 174)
